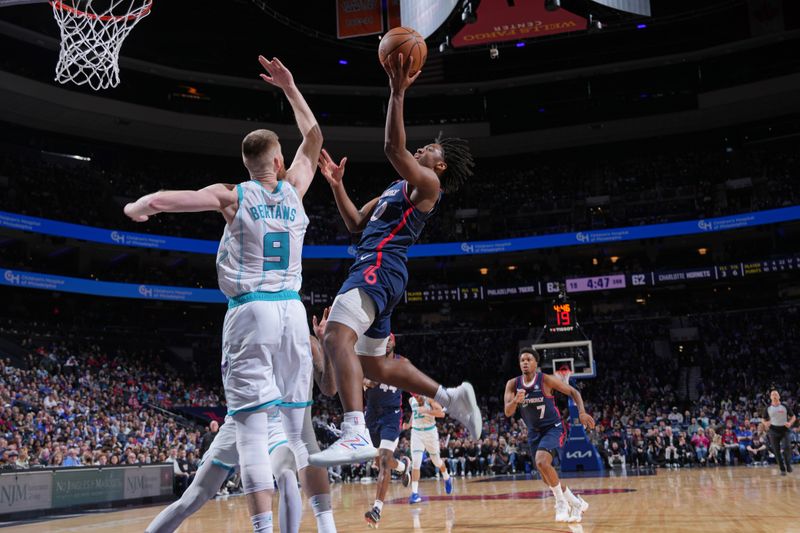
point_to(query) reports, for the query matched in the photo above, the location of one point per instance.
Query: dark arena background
(634, 214)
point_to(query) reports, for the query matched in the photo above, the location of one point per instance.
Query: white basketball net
(92, 33)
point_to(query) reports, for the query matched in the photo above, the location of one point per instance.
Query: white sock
(262, 523)
(571, 498)
(558, 493)
(443, 397)
(401, 467)
(378, 505)
(321, 505)
(356, 420)
(445, 475)
(415, 487)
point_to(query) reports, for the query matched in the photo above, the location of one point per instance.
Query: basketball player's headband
(391, 336)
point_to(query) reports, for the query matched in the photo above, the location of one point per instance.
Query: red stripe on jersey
(369, 273)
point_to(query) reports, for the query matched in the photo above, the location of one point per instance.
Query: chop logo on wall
(582, 237)
(704, 225)
(12, 278)
(145, 291)
(118, 237)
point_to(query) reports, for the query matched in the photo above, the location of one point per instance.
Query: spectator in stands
(23, 460)
(638, 449)
(757, 449)
(616, 456)
(675, 417)
(715, 448)
(500, 463)
(670, 448)
(686, 455)
(72, 458)
(745, 436)
(794, 439)
(701, 443)
(693, 426)
(472, 463)
(209, 436)
(730, 442)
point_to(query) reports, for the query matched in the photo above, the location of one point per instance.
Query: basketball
(406, 41)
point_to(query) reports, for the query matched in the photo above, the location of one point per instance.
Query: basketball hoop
(92, 33)
(564, 374)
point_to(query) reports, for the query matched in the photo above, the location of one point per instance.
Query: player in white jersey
(425, 438)
(265, 340)
(220, 462)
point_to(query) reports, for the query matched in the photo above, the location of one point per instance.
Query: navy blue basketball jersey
(394, 226)
(538, 410)
(383, 396)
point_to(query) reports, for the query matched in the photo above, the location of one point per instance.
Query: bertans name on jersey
(273, 211)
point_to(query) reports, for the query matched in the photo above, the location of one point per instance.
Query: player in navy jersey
(532, 393)
(360, 320)
(384, 416)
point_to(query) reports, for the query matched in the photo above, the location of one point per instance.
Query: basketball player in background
(425, 438)
(360, 320)
(384, 416)
(779, 422)
(265, 347)
(532, 393)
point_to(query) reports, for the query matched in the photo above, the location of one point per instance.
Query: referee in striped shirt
(779, 422)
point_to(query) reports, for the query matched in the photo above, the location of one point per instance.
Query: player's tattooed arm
(355, 219)
(512, 398)
(572, 392)
(324, 375)
(218, 197)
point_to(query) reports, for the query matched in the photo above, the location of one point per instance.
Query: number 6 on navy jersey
(276, 251)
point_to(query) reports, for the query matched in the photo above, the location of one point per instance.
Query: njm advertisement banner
(22, 491)
(63, 488)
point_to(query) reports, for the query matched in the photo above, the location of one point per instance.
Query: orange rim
(142, 11)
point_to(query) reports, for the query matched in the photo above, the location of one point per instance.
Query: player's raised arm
(394, 145)
(355, 219)
(436, 410)
(303, 167)
(218, 197)
(572, 392)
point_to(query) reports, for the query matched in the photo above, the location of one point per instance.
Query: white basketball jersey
(420, 421)
(261, 250)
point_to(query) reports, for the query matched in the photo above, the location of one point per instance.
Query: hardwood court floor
(698, 500)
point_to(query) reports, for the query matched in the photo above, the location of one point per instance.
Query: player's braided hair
(458, 159)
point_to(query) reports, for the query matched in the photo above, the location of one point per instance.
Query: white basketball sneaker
(352, 447)
(464, 408)
(562, 511)
(577, 508)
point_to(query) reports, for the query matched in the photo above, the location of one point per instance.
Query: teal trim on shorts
(229, 468)
(261, 296)
(296, 405)
(424, 429)
(281, 443)
(270, 403)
